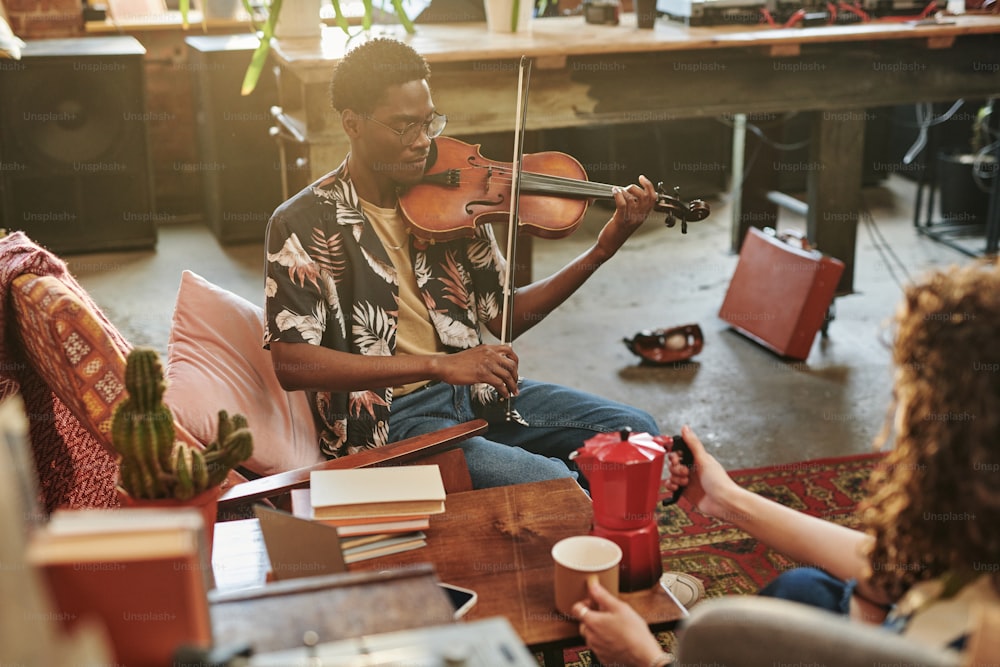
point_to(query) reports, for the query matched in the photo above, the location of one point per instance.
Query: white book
(399, 491)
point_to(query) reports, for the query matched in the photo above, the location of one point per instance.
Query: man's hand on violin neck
(496, 365)
(632, 206)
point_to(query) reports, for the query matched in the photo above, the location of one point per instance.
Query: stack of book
(376, 511)
(143, 573)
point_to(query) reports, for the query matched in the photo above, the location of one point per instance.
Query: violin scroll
(694, 211)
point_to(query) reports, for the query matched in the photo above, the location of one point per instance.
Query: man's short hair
(367, 71)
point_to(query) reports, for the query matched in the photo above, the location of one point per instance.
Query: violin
(545, 193)
(462, 189)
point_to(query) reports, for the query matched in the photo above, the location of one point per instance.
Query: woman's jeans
(814, 587)
(559, 420)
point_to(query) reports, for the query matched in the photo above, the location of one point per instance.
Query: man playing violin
(384, 331)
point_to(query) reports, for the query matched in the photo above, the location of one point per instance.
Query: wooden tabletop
(496, 542)
(552, 39)
(170, 20)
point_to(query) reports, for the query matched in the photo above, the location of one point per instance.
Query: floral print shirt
(329, 282)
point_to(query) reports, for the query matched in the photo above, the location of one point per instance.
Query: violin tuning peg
(684, 226)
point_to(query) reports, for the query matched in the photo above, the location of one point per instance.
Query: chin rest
(667, 346)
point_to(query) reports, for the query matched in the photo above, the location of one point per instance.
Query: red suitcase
(779, 294)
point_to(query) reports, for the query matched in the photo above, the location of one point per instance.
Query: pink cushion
(215, 361)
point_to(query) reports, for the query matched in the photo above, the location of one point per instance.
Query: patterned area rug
(730, 562)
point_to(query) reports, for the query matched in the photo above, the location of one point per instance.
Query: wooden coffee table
(496, 542)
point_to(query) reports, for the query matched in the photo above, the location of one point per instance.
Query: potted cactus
(155, 468)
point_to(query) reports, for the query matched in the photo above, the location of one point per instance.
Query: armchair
(755, 630)
(68, 361)
(215, 360)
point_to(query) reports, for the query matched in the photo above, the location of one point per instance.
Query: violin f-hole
(483, 202)
(487, 186)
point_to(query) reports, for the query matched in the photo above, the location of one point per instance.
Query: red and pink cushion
(76, 378)
(71, 350)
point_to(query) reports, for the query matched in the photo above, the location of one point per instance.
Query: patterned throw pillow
(71, 350)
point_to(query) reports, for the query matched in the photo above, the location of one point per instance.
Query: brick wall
(171, 123)
(40, 19)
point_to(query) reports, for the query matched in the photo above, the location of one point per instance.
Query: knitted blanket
(74, 468)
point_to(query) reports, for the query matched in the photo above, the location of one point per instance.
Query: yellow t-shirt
(415, 334)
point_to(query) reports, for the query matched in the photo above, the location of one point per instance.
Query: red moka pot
(624, 471)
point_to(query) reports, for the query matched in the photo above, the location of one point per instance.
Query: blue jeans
(559, 420)
(814, 587)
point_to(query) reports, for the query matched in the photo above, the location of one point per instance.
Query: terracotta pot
(206, 502)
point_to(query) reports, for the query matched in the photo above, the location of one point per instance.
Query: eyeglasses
(409, 134)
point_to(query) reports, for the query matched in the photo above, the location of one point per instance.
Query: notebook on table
(303, 548)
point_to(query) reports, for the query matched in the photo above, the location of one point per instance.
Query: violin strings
(572, 185)
(555, 184)
(562, 184)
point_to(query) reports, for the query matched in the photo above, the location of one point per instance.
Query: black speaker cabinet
(74, 158)
(240, 166)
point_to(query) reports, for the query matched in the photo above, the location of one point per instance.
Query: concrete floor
(750, 407)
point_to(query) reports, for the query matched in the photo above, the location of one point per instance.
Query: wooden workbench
(593, 74)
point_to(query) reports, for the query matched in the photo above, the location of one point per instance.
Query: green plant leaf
(272, 18)
(403, 18)
(259, 58)
(515, 12)
(366, 20)
(339, 18)
(185, 7)
(255, 67)
(250, 12)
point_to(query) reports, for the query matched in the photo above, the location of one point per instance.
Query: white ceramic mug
(577, 560)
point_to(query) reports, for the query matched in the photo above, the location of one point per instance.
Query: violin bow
(507, 326)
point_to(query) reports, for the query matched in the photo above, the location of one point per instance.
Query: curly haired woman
(930, 550)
